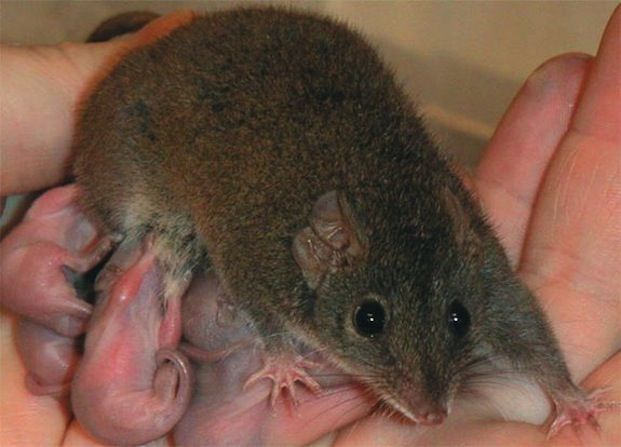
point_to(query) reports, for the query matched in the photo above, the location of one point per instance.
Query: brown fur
(221, 137)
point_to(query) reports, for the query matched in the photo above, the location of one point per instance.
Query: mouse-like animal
(275, 149)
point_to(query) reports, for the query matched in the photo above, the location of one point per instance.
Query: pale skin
(550, 181)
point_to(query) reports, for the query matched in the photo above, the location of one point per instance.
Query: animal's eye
(369, 318)
(458, 319)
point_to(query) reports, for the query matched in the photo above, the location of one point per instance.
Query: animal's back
(227, 131)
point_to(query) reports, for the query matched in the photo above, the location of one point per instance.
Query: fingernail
(69, 325)
(551, 76)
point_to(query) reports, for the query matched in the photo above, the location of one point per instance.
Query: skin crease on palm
(550, 182)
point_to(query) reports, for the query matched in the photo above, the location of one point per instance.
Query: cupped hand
(550, 182)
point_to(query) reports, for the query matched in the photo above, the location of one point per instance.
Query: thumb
(41, 88)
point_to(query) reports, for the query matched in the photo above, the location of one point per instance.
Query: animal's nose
(432, 418)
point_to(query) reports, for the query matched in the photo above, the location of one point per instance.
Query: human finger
(599, 114)
(573, 249)
(41, 90)
(509, 174)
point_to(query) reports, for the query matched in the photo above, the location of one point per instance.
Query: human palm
(551, 184)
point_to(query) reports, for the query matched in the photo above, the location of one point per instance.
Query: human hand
(519, 191)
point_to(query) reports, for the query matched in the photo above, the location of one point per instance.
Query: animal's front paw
(284, 370)
(577, 412)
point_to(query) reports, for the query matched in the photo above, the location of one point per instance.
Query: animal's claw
(579, 412)
(284, 371)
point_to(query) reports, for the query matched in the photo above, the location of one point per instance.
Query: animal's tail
(127, 22)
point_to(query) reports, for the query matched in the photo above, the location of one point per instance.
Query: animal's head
(401, 301)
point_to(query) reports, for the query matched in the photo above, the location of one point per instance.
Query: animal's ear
(461, 221)
(458, 216)
(333, 240)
